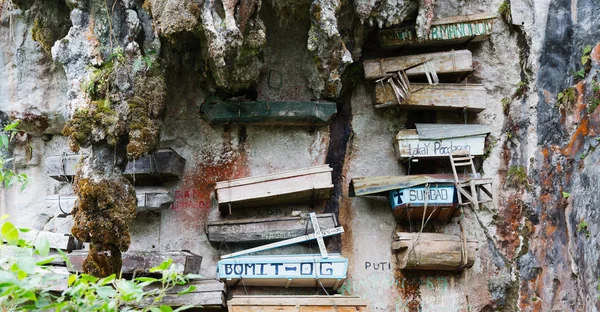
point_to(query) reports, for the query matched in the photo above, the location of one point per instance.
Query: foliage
(504, 11)
(566, 195)
(7, 176)
(583, 227)
(505, 105)
(579, 74)
(25, 282)
(595, 100)
(585, 57)
(521, 89)
(566, 98)
(517, 177)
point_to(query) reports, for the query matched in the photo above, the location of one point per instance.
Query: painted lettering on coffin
(416, 195)
(439, 147)
(298, 270)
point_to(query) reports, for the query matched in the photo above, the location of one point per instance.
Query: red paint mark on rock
(595, 55)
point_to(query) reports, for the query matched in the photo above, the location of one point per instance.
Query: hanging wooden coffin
(458, 62)
(295, 186)
(206, 295)
(284, 270)
(137, 262)
(409, 203)
(439, 96)
(288, 113)
(334, 303)
(148, 199)
(433, 251)
(450, 30)
(160, 166)
(438, 140)
(265, 230)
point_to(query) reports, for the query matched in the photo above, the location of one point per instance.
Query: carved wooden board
(294, 186)
(409, 203)
(460, 61)
(160, 166)
(264, 230)
(184, 262)
(432, 251)
(451, 30)
(148, 199)
(284, 270)
(335, 303)
(440, 96)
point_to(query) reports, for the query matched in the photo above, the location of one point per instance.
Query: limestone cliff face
(123, 78)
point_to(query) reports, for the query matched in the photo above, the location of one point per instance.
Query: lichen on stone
(51, 22)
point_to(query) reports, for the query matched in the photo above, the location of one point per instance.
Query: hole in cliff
(415, 117)
(250, 94)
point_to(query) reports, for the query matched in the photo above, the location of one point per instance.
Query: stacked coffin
(417, 82)
(308, 185)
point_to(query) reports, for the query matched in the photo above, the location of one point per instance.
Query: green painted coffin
(289, 113)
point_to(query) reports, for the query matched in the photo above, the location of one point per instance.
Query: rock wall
(537, 243)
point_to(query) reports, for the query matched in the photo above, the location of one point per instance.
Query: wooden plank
(380, 186)
(148, 199)
(334, 303)
(161, 166)
(446, 62)
(295, 186)
(451, 30)
(432, 251)
(264, 230)
(184, 262)
(441, 96)
(56, 240)
(208, 293)
(288, 113)
(408, 144)
(282, 270)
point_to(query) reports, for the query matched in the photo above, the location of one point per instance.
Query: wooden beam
(294, 186)
(184, 262)
(161, 166)
(264, 230)
(148, 199)
(56, 240)
(460, 61)
(451, 30)
(432, 251)
(208, 293)
(288, 113)
(442, 96)
(335, 303)
(380, 186)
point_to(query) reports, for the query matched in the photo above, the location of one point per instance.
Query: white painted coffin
(295, 186)
(439, 140)
(284, 270)
(460, 61)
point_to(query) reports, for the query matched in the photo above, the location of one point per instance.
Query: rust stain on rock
(595, 55)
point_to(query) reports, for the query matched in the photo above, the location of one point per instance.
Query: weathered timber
(56, 240)
(336, 303)
(289, 113)
(433, 251)
(284, 270)
(265, 230)
(295, 186)
(380, 186)
(148, 199)
(140, 262)
(208, 293)
(459, 62)
(8, 251)
(438, 140)
(442, 96)
(451, 30)
(434, 201)
(161, 165)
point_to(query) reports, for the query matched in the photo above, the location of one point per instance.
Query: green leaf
(164, 308)
(45, 261)
(566, 195)
(10, 233)
(155, 309)
(163, 266)
(188, 290)
(182, 308)
(12, 126)
(64, 257)
(5, 216)
(106, 280)
(88, 278)
(4, 138)
(106, 292)
(26, 264)
(42, 246)
(146, 279)
(72, 279)
(24, 230)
